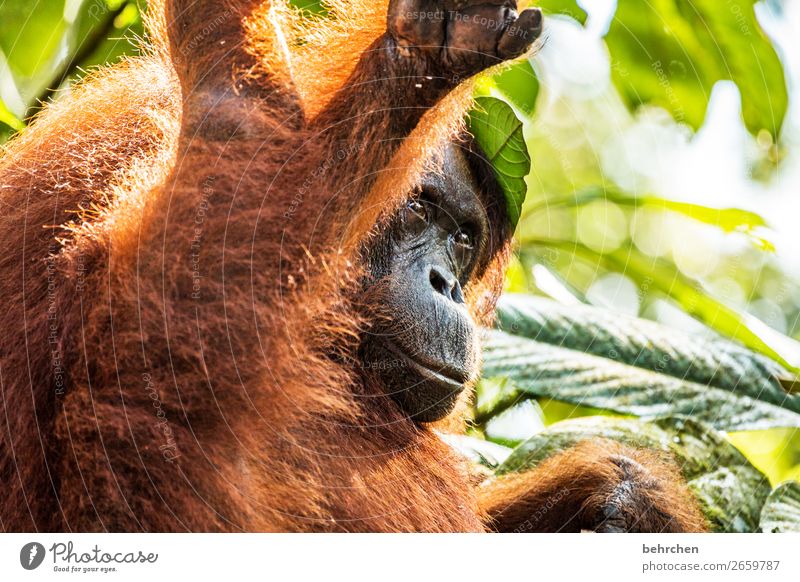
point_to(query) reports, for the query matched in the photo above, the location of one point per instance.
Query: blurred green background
(665, 185)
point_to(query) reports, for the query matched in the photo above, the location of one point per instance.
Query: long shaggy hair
(180, 342)
(181, 249)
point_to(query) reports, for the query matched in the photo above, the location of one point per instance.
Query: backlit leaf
(498, 132)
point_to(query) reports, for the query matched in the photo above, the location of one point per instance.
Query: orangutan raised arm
(243, 288)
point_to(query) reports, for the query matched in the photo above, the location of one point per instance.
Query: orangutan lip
(437, 372)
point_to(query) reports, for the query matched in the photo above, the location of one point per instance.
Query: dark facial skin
(424, 346)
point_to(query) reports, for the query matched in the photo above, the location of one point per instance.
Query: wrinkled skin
(424, 344)
(263, 423)
(463, 36)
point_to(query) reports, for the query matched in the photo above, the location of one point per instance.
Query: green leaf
(313, 6)
(33, 40)
(55, 43)
(646, 344)
(671, 52)
(479, 451)
(536, 369)
(781, 512)
(519, 85)
(731, 497)
(106, 35)
(566, 7)
(693, 298)
(498, 132)
(730, 490)
(726, 219)
(9, 119)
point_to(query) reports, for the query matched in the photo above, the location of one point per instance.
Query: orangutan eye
(416, 216)
(418, 209)
(463, 245)
(463, 238)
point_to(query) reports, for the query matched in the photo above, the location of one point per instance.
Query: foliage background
(665, 139)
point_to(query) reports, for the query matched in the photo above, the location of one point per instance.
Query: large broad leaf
(541, 370)
(664, 276)
(648, 345)
(781, 512)
(730, 490)
(498, 132)
(671, 52)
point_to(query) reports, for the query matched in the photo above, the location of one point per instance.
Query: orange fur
(179, 248)
(567, 492)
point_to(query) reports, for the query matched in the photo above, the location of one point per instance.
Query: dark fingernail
(535, 16)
